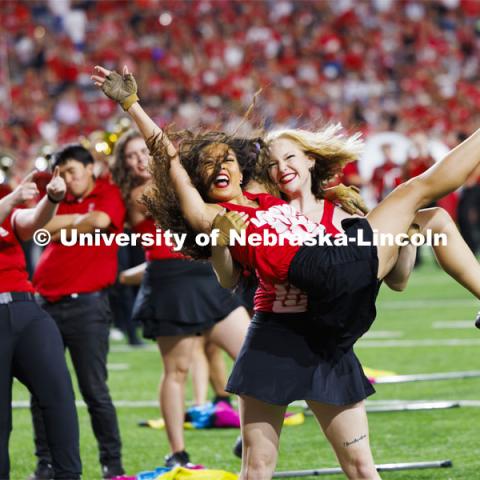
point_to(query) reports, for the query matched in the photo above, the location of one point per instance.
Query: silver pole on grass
(386, 467)
(405, 407)
(425, 377)
(412, 406)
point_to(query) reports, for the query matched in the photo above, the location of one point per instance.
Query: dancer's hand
(56, 188)
(120, 88)
(349, 199)
(226, 222)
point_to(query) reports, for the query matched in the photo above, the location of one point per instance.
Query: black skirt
(286, 357)
(341, 284)
(181, 297)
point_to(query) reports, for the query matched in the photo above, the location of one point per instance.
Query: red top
(156, 251)
(271, 262)
(285, 298)
(386, 178)
(13, 271)
(63, 270)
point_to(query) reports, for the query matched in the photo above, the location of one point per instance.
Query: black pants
(31, 349)
(84, 326)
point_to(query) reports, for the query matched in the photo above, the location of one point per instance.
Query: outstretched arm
(27, 221)
(26, 190)
(123, 89)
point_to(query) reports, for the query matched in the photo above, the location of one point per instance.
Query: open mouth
(287, 178)
(221, 181)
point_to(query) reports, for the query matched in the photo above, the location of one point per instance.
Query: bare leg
(346, 428)
(200, 372)
(217, 369)
(455, 257)
(230, 332)
(261, 426)
(396, 212)
(397, 278)
(177, 356)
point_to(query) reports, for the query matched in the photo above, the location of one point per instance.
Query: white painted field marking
(128, 348)
(430, 303)
(300, 403)
(453, 325)
(382, 334)
(118, 366)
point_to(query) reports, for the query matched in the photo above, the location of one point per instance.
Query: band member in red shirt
(72, 282)
(31, 347)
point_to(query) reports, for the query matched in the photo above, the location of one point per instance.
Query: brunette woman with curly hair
(178, 300)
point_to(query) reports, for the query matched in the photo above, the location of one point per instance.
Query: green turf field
(408, 337)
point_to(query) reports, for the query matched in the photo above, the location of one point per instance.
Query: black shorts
(181, 297)
(286, 357)
(341, 284)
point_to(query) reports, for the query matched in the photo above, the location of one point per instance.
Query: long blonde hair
(330, 149)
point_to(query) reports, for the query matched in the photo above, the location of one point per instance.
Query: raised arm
(123, 90)
(27, 221)
(25, 191)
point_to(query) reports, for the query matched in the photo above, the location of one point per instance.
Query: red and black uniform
(305, 355)
(178, 296)
(31, 350)
(73, 283)
(284, 297)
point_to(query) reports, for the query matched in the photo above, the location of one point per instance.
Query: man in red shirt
(31, 347)
(73, 283)
(387, 176)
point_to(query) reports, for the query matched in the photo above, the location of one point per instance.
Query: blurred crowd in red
(406, 66)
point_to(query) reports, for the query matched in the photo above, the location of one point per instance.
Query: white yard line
(427, 303)
(453, 325)
(300, 403)
(382, 334)
(118, 366)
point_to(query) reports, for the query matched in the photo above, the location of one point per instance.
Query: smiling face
(221, 172)
(137, 158)
(289, 167)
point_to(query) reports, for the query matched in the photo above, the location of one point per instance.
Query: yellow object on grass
(157, 424)
(180, 473)
(373, 373)
(294, 420)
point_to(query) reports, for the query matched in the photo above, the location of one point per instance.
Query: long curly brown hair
(121, 173)
(160, 198)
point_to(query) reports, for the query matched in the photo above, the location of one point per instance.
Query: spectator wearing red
(73, 283)
(31, 347)
(387, 176)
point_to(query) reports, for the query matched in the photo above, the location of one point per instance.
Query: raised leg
(455, 257)
(230, 332)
